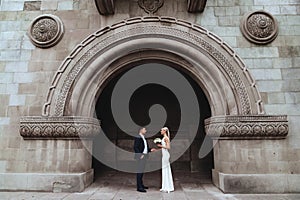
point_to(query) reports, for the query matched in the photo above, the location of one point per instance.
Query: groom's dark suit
(139, 147)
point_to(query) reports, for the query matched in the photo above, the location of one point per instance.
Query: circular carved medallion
(259, 27)
(46, 31)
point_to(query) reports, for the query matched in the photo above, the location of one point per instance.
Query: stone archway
(208, 54)
(236, 106)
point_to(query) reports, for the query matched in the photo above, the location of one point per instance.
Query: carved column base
(65, 127)
(247, 127)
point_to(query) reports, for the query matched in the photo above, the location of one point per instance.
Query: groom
(141, 149)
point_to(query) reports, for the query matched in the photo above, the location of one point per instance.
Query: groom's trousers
(141, 163)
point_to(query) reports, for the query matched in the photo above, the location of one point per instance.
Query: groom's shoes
(145, 187)
(141, 190)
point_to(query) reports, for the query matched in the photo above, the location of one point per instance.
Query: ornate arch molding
(191, 41)
(203, 50)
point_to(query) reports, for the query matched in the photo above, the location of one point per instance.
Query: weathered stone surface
(260, 183)
(32, 5)
(46, 182)
(26, 73)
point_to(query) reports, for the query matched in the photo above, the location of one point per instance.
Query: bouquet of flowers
(157, 141)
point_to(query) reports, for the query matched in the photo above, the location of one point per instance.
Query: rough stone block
(231, 41)
(49, 5)
(272, 2)
(270, 86)
(55, 182)
(232, 11)
(284, 109)
(278, 167)
(292, 97)
(288, 10)
(220, 11)
(266, 74)
(258, 183)
(207, 19)
(4, 120)
(2, 88)
(225, 31)
(2, 167)
(14, 142)
(12, 5)
(25, 55)
(291, 85)
(282, 63)
(32, 5)
(6, 77)
(10, 44)
(10, 26)
(292, 40)
(249, 8)
(2, 66)
(273, 9)
(17, 100)
(24, 77)
(16, 166)
(229, 21)
(65, 5)
(255, 52)
(291, 73)
(16, 67)
(12, 88)
(27, 88)
(26, 44)
(227, 2)
(289, 51)
(276, 98)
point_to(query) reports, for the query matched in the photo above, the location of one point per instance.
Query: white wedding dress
(167, 179)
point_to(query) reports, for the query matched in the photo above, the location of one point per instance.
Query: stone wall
(26, 72)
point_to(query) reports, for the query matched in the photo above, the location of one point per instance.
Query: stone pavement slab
(121, 186)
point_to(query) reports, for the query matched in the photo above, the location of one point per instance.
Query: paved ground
(121, 186)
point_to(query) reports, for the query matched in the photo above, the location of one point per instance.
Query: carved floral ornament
(150, 6)
(259, 27)
(107, 7)
(247, 126)
(58, 127)
(46, 31)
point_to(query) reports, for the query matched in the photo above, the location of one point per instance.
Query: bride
(167, 179)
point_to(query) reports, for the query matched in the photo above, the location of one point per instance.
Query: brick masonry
(26, 71)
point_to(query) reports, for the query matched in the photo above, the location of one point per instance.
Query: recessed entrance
(141, 100)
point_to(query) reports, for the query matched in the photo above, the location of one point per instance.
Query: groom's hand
(153, 150)
(142, 156)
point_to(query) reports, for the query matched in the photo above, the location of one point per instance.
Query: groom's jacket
(139, 147)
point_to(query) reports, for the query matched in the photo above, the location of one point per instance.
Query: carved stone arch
(195, 44)
(219, 71)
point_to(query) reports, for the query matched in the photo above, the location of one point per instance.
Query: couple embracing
(142, 150)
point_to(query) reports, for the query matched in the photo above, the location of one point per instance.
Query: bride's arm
(167, 141)
(168, 145)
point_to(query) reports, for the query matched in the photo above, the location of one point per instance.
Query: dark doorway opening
(140, 102)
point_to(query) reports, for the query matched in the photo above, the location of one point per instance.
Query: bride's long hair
(167, 130)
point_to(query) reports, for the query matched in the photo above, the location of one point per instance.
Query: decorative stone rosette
(46, 31)
(247, 127)
(58, 127)
(259, 27)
